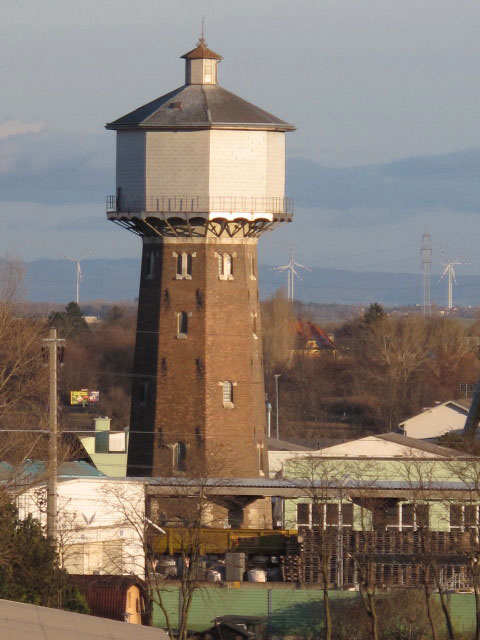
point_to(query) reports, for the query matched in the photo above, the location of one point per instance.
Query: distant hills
(114, 280)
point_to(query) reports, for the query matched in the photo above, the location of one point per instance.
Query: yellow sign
(84, 397)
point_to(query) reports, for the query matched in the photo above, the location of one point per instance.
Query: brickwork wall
(234, 353)
(183, 376)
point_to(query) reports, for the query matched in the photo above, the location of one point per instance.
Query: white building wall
(100, 523)
(131, 164)
(435, 422)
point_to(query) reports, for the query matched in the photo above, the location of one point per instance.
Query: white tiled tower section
(247, 163)
(177, 163)
(213, 162)
(131, 147)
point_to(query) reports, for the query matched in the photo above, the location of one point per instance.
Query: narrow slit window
(179, 456)
(188, 263)
(179, 265)
(227, 265)
(227, 392)
(182, 320)
(151, 265)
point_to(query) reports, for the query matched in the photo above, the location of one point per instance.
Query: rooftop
(201, 51)
(30, 622)
(200, 106)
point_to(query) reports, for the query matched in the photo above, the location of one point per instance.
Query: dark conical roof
(195, 106)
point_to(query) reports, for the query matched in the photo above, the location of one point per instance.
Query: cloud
(9, 128)
(447, 181)
(54, 168)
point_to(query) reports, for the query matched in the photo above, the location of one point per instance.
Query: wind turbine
(292, 272)
(449, 271)
(77, 261)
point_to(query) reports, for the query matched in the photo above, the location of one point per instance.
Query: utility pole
(269, 417)
(426, 252)
(52, 344)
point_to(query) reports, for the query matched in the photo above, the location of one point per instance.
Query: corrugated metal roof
(31, 622)
(289, 483)
(37, 468)
(421, 445)
(199, 107)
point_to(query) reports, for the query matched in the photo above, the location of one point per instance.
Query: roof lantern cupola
(201, 64)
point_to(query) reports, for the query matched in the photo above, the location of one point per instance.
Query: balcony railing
(199, 204)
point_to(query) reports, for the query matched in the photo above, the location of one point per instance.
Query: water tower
(200, 177)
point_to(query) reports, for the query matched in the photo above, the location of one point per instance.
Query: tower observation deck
(200, 177)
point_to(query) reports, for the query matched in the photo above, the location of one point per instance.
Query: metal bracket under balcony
(197, 216)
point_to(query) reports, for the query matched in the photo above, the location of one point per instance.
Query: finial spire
(202, 37)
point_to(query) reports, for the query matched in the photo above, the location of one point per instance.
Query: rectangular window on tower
(182, 324)
(151, 266)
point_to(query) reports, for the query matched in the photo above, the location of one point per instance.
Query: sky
(384, 94)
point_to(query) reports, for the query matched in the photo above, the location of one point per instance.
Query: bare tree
(466, 513)
(421, 477)
(190, 506)
(278, 332)
(363, 477)
(322, 480)
(23, 377)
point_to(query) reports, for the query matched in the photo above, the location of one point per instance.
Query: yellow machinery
(220, 541)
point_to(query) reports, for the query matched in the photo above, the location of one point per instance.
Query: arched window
(179, 456)
(252, 268)
(225, 266)
(184, 266)
(227, 393)
(182, 323)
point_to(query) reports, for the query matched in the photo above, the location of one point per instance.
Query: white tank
(256, 575)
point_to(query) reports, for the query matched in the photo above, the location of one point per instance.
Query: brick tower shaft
(198, 361)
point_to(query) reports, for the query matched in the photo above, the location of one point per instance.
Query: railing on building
(199, 204)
